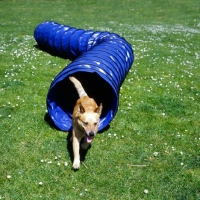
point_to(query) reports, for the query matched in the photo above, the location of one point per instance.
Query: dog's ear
(81, 110)
(99, 109)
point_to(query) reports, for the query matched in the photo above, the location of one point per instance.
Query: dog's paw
(76, 164)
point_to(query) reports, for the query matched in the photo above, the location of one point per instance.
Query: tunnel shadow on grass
(52, 53)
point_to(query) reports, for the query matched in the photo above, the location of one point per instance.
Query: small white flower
(155, 154)
(9, 116)
(49, 162)
(40, 183)
(66, 164)
(58, 163)
(56, 157)
(8, 176)
(146, 191)
(42, 160)
(115, 134)
(182, 163)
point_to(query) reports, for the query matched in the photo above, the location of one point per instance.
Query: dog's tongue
(89, 139)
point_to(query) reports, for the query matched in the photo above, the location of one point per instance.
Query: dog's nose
(91, 133)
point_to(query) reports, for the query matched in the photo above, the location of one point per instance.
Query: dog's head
(88, 120)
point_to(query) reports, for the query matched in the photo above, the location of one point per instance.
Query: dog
(85, 121)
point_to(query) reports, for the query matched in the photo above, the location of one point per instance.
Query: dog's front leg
(76, 147)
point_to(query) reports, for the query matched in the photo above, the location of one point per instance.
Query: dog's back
(78, 86)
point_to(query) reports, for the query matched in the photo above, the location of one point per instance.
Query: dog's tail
(78, 86)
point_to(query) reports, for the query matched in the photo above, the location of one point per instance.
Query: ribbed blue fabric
(101, 61)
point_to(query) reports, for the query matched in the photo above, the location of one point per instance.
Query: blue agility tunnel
(100, 61)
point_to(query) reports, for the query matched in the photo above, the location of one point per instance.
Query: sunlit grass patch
(150, 150)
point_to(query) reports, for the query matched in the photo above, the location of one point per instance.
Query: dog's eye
(95, 124)
(85, 123)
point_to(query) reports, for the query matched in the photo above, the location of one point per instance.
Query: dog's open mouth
(89, 139)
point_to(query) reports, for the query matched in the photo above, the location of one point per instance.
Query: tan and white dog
(85, 121)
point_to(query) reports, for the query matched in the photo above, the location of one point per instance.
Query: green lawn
(152, 147)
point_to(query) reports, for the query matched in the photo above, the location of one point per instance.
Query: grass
(150, 151)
